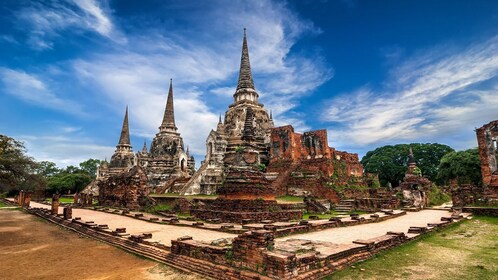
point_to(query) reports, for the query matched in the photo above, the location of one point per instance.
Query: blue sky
(371, 72)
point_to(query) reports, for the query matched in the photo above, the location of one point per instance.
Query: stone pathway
(160, 233)
(343, 235)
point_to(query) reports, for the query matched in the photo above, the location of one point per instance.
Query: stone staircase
(279, 180)
(345, 206)
(314, 206)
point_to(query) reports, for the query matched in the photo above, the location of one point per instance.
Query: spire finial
(245, 83)
(219, 120)
(169, 113)
(124, 139)
(271, 115)
(411, 158)
(144, 148)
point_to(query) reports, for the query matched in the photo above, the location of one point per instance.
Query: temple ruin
(284, 154)
(487, 137)
(414, 186)
(166, 167)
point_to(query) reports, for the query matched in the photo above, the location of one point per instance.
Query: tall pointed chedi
(246, 97)
(246, 125)
(167, 161)
(245, 86)
(123, 157)
(124, 139)
(168, 124)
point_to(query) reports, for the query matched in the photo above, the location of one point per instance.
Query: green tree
(462, 166)
(390, 162)
(90, 166)
(17, 170)
(68, 182)
(47, 168)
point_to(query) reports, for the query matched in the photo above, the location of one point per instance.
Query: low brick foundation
(253, 217)
(483, 211)
(253, 255)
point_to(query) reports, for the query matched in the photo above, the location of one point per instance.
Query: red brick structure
(487, 137)
(127, 190)
(55, 204)
(414, 186)
(246, 194)
(307, 165)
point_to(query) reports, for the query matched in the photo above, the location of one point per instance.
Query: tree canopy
(391, 162)
(16, 168)
(464, 167)
(19, 171)
(90, 166)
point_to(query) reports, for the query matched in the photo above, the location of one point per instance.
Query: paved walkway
(343, 235)
(160, 233)
(165, 233)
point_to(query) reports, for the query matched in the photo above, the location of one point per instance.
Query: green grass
(3, 205)
(189, 197)
(462, 251)
(290, 198)
(63, 200)
(160, 207)
(437, 196)
(328, 216)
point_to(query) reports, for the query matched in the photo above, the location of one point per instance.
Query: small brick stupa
(414, 185)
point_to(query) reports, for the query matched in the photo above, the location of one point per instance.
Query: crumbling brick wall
(128, 190)
(307, 165)
(487, 138)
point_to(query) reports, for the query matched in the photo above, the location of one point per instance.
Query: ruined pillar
(27, 199)
(75, 198)
(55, 204)
(20, 198)
(90, 199)
(82, 199)
(68, 212)
(247, 247)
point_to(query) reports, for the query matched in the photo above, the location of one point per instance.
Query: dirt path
(401, 224)
(31, 248)
(160, 233)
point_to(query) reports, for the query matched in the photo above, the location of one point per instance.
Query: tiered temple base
(246, 196)
(243, 210)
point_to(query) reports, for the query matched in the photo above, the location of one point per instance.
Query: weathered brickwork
(306, 165)
(414, 186)
(487, 138)
(128, 190)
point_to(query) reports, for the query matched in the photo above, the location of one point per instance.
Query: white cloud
(34, 90)
(138, 76)
(46, 20)
(63, 150)
(431, 96)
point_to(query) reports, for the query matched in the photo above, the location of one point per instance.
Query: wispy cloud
(201, 69)
(46, 20)
(441, 92)
(63, 150)
(34, 90)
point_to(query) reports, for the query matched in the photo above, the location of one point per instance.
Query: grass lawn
(465, 251)
(189, 197)
(3, 205)
(328, 216)
(159, 207)
(63, 200)
(290, 198)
